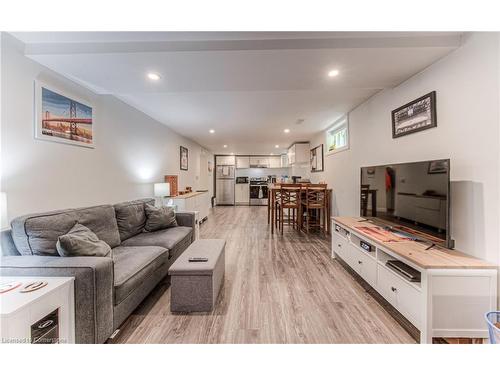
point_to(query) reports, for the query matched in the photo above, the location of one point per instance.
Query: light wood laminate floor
(277, 290)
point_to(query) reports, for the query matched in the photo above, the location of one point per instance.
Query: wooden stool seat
(288, 199)
(314, 207)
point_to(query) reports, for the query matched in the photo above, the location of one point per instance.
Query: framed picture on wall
(418, 115)
(184, 158)
(316, 159)
(63, 118)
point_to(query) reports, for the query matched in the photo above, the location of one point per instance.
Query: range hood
(258, 166)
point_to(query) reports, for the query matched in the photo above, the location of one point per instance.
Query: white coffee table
(19, 311)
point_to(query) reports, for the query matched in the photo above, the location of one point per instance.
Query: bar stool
(288, 199)
(277, 197)
(314, 207)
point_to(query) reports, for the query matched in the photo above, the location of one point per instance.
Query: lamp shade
(3, 208)
(162, 189)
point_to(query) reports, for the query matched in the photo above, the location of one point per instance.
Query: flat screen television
(413, 198)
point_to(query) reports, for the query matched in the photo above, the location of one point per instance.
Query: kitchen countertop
(189, 195)
(277, 186)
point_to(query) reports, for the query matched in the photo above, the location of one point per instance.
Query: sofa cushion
(37, 234)
(158, 218)
(170, 238)
(131, 217)
(133, 265)
(81, 241)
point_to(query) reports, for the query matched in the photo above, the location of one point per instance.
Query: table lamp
(162, 190)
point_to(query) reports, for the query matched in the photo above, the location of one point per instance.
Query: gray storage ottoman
(196, 285)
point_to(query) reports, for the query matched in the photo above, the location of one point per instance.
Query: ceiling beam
(414, 41)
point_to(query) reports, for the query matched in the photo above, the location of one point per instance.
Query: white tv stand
(454, 293)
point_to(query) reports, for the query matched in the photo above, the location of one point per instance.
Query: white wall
(132, 151)
(467, 83)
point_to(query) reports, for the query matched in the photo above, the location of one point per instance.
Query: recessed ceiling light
(287, 130)
(212, 131)
(225, 146)
(154, 76)
(276, 146)
(333, 73)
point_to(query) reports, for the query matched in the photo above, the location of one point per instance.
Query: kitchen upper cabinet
(291, 155)
(284, 161)
(259, 162)
(225, 160)
(242, 162)
(275, 162)
(298, 153)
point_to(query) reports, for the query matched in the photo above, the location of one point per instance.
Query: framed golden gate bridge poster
(62, 118)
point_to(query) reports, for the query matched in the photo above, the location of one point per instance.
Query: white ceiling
(248, 86)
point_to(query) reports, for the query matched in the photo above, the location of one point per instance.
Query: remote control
(198, 259)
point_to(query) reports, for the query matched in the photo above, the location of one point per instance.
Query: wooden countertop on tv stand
(415, 251)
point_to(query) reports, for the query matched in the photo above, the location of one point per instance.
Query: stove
(258, 191)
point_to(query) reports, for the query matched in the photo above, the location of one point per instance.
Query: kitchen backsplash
(263, 172)
(302, 171)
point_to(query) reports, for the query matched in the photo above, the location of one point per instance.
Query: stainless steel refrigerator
(224, 185)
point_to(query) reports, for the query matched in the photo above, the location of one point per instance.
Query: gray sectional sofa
(107, 289)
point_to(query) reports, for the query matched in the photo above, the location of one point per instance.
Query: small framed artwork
(316, 159)
(184, 158)
(418, 115)
(63, 118)
(438, 166)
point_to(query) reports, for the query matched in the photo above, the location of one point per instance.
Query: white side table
(51, 307)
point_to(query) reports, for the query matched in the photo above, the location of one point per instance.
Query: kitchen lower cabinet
(242, 194)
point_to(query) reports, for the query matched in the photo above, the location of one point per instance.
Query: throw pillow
(131, 217)
(81, 241)
(159, 218)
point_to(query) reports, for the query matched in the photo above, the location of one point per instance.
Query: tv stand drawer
(363, 264)
(405, 298)
(340, 245)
